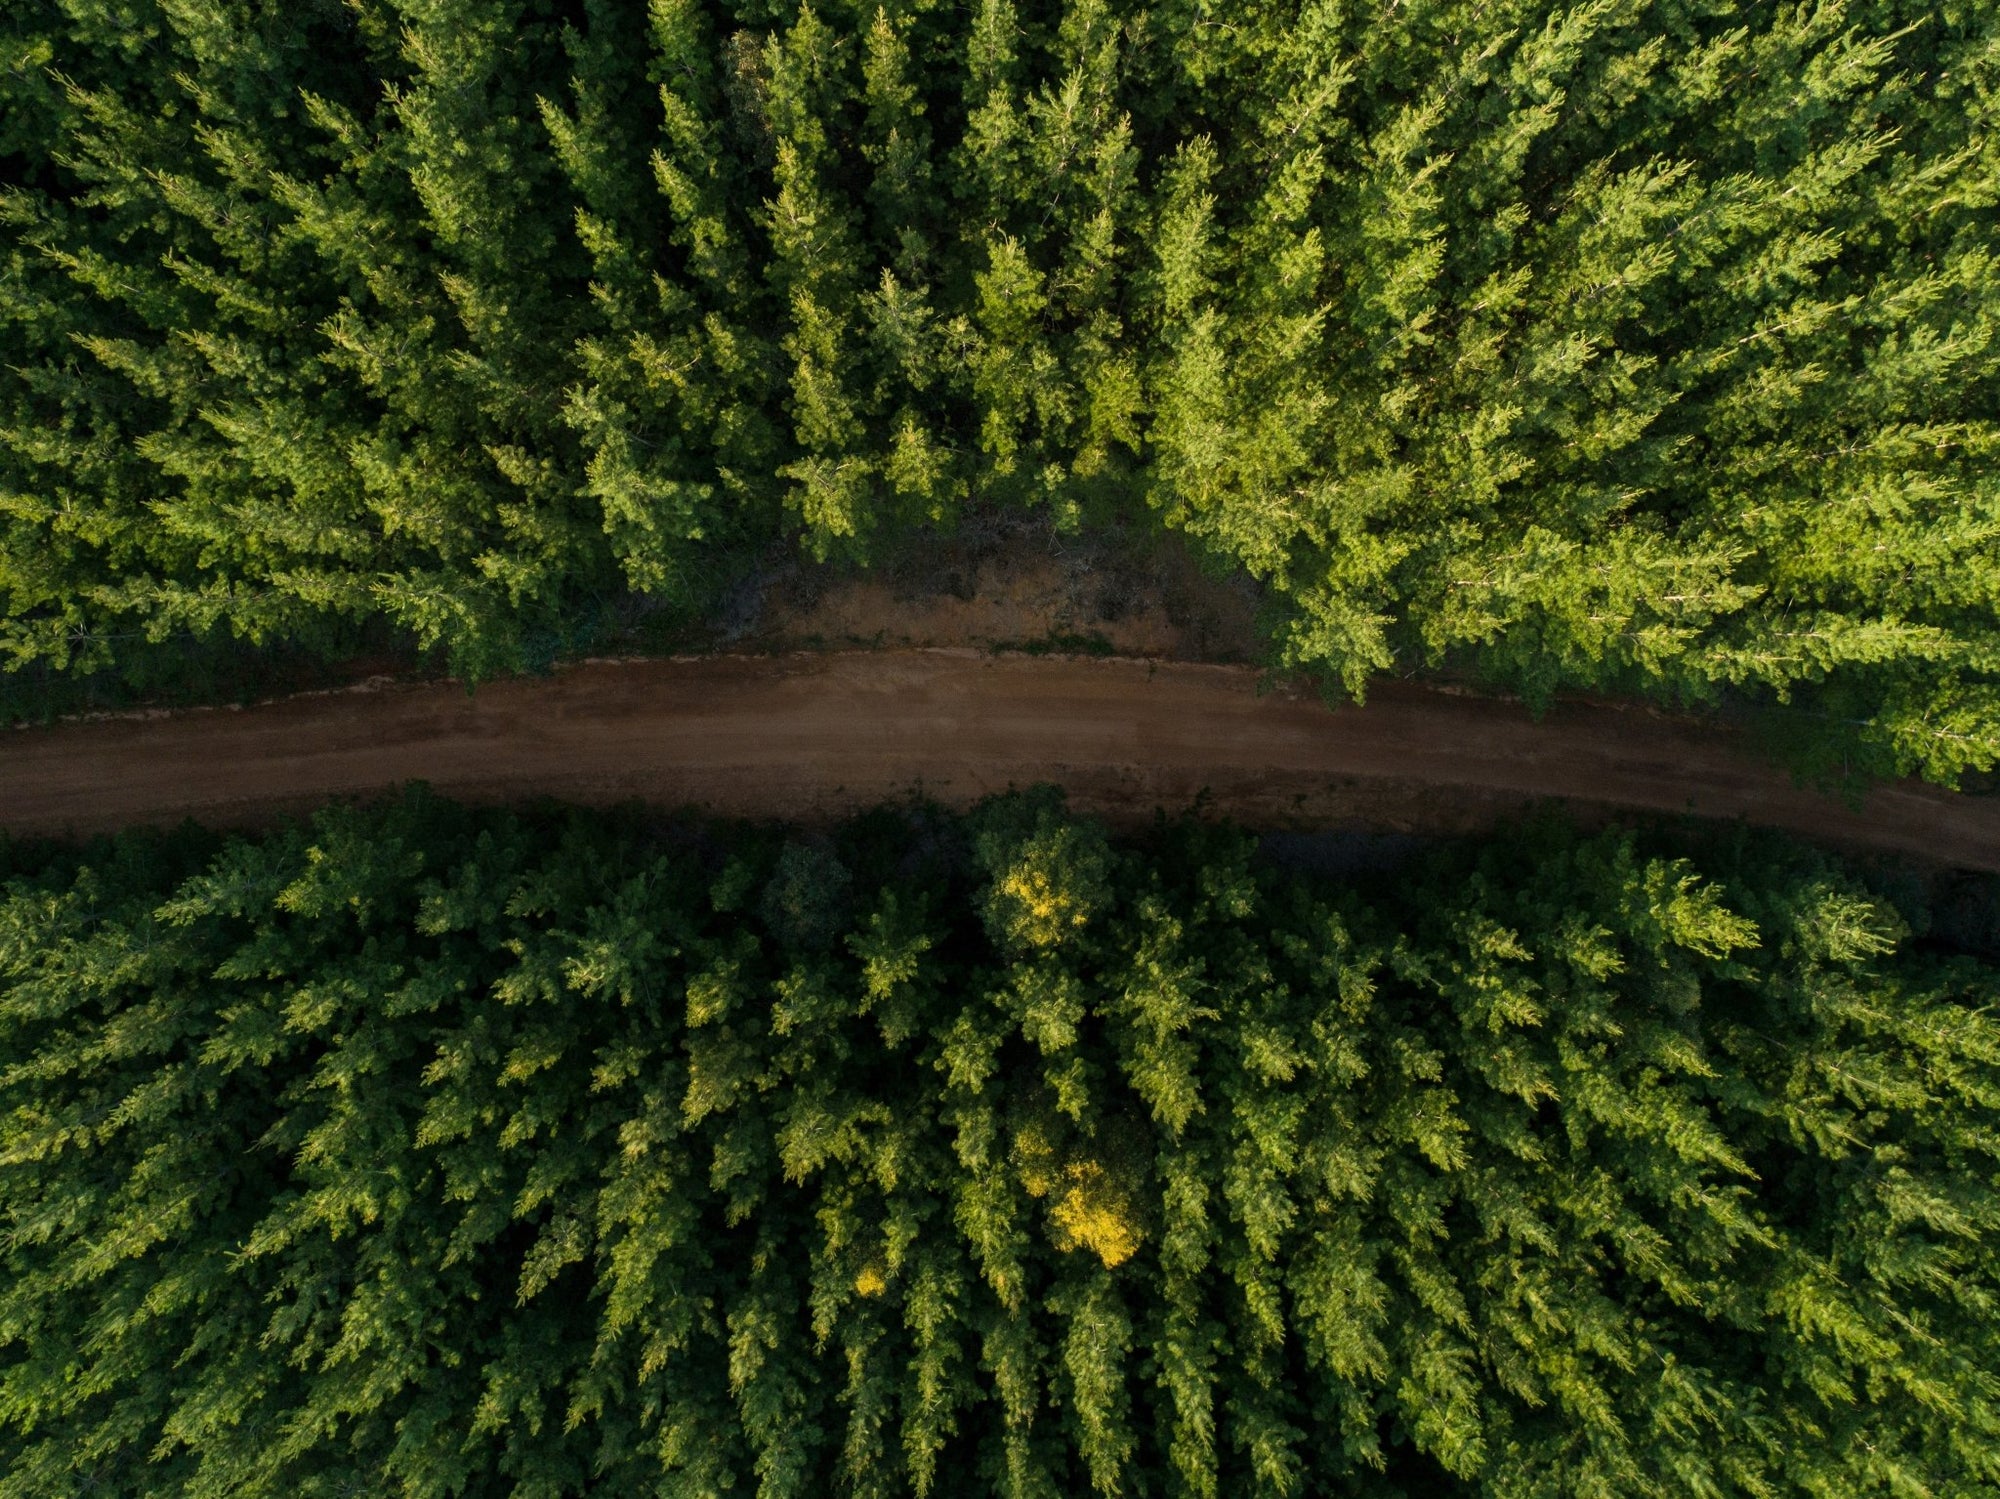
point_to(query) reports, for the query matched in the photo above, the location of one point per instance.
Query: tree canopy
(1629, 344)
(432, 1152)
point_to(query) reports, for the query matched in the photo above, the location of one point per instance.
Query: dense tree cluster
(432, 1152)
(1632, 344)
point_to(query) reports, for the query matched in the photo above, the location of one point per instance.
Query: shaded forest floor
(1005, 584)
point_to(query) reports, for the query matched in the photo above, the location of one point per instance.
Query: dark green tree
(426, 1151)
(1623, 346)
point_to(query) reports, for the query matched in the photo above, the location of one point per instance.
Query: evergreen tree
(1619, 346)
(426, 1151)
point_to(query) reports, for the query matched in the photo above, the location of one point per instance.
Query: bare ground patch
(817, 735)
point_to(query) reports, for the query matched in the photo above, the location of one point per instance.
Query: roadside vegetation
(1630, 347)
(428, 1151)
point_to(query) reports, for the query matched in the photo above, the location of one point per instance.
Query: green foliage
(1627, 345)
(424, 1151)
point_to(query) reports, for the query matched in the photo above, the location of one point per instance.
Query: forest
(1638, 348)
(1634, 346)
(430, 1151)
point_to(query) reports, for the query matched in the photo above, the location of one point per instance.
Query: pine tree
(432, 1150)
(1601, 347)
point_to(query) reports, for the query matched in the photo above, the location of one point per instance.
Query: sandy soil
(812, 735)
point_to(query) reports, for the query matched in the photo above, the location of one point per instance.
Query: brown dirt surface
(815, 735)
(1002, 583)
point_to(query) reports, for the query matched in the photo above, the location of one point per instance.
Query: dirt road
(818, 734)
